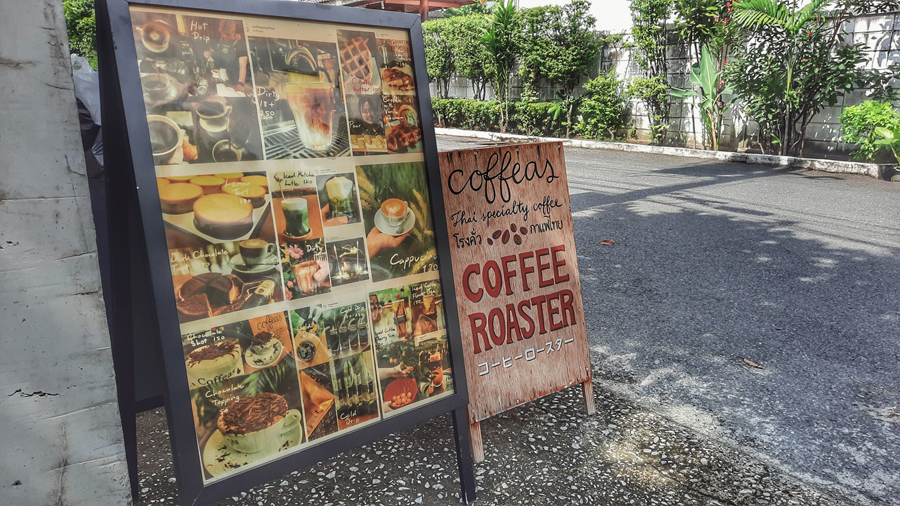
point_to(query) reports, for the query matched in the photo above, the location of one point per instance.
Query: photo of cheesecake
(214, 207)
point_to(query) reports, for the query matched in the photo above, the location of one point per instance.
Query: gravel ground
(545, 453)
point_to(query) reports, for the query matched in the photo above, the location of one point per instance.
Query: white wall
(60, 433)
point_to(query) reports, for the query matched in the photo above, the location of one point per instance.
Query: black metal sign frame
(132, 191)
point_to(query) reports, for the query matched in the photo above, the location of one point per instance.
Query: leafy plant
(654, 92)
(604, 107)
(439, 53)
(82, 28)
(709, 89)
(890, 138)
(649, 18)
(559, 44)
(503, 51)
(858, 124)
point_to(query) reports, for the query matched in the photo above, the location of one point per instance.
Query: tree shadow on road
(700, 279)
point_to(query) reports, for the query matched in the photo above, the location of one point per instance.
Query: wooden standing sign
(516, 276)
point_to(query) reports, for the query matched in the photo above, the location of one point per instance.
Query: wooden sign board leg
(463, 457)
(475, 441)
(587, 388)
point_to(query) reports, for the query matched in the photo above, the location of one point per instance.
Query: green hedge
(527, 118)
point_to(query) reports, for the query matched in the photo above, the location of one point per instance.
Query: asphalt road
(713, 263)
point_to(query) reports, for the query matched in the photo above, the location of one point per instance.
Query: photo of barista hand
(196, 88)
(396, 211)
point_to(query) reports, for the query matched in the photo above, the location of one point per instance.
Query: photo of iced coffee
(313, 106)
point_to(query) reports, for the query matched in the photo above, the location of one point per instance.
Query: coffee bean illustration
(490, 242)
(517, 239)
(505, 237)
(513, 228)
(496, 234)
(523, 231)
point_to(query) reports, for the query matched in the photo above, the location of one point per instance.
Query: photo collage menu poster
(294, 193)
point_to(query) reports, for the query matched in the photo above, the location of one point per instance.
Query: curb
(866, 169)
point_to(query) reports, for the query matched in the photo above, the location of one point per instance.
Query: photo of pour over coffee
(195, 73)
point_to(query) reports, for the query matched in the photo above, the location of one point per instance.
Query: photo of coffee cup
(296, 216)
(155, 36)
(395, 211)
(226, 151)
(156, 87)
(256, 251)
(213, 114)
(165, 138)
(265, 440)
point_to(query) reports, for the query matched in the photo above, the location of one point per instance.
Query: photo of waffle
(356, 58)
(197, 88)
(299, 91)
(401, 120)
(359, 62)
(396, 79)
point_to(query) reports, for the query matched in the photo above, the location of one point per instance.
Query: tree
(787, 23)
(559, 44)
(82, 28)
(797, 62)
(477, 8)
(649, 19)
(470, 54)
(439, 59)
(503, 51)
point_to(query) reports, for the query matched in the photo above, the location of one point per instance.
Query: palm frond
(799, 18)
(756, 13)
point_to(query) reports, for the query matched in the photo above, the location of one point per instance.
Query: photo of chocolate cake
(206, 294)
(252, 414)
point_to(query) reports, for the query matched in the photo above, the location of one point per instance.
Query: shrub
(858, 124)
(654, 92)
(527, 118)
(604, 108)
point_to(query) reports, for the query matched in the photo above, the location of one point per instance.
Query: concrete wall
(879, 33)
(61, 437)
